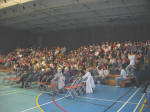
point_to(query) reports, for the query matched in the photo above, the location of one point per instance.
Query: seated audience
(108, 56)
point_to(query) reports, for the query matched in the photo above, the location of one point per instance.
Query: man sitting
(23, 79)
(123, 76)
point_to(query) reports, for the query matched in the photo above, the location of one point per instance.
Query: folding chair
(49, 86)
(71, 90)
(81, 89)
(52, 88)
(44, 84)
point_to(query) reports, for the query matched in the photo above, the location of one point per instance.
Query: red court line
(57, 104)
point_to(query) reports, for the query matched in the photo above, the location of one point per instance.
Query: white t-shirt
(123, 74)
(88, 74)
(106, 72)
(132, 59)
(101, 72)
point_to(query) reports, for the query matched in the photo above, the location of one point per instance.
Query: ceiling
(54, 15)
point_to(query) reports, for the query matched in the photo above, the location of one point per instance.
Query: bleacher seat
(111, 80)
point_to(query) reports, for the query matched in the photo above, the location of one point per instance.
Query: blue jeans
(130, 71)
(118, 79)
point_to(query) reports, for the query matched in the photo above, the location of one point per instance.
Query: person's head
(59, 69)
(137, 61)
(132, 53)
(122, 67)
(87, 70)
(47, 69)
(25, 72)
(66, 69)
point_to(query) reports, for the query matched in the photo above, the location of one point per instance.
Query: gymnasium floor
(104, 99)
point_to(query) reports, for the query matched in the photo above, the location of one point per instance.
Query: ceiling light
(12, 3)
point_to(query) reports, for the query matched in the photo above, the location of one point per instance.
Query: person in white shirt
(130, 67)
(89, 82)
(59, 79)
(132, 58)
(106, 74)
(103, 74)
(100, 72)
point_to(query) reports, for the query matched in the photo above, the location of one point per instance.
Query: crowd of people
(99, 59)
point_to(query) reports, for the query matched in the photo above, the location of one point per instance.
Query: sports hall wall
(77, 37)
(11, 39)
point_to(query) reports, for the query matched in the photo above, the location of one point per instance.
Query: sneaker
(117, 86)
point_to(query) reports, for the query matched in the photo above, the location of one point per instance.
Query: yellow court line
(37, 102)
(142, 106)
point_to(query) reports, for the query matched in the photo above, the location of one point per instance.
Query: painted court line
(6, 91)
(107, 100)
(37, 101)
(1, 88)
(139, 103)
(41, 105)
(128, 100)
(5, 94)
(142, 106)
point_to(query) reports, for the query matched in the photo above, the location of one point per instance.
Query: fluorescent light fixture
(12, 3)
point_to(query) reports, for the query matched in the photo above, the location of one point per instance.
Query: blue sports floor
(104, 99)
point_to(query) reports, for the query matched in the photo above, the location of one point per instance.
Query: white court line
(1, 88)
(42, 104)
(107, 100)
(139, 103)
(7, 91)
(128, 100)
(12, 93)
